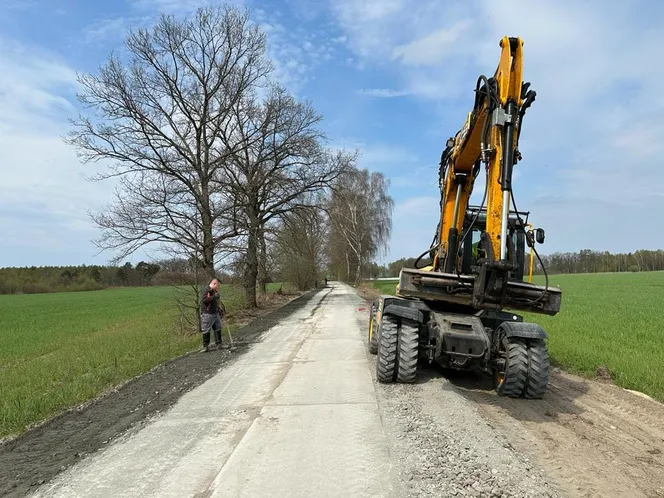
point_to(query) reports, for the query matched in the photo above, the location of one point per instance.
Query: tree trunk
(251, 268)
(208, 240)
(262, 262)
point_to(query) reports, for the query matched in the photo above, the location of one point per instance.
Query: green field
(58, 350)
(609, 319)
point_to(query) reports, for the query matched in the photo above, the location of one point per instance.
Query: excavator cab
(471, 250)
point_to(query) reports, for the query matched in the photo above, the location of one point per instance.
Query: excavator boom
(489, 137)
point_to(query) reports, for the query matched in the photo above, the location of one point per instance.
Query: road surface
(301, 415)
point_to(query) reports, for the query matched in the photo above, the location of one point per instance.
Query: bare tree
(300, 246)
(282, 160)
(159, 118)
(360, 211)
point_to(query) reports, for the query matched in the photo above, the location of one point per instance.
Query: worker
(211, 314)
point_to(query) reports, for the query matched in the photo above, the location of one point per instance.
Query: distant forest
(588, 261)
(584, 261)
(30, 280)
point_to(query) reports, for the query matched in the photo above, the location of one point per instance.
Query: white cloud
(383, 93)
(418, 178)
(413, 207)
(26, 80)
(110, 29)
(142, 14)
(414, 224)
(295, 53)
(18, 4)
(174, 6)
(435, 47)
(394, 161)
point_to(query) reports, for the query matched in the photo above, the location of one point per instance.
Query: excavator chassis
(407, 333)
(435, 318)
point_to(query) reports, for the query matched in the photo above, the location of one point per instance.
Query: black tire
(538, 372)
(512, 380)
(409, 342)
(373, 332)
(386, 362)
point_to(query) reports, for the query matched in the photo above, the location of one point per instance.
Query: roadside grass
(611, 320)
(386, 286)
(61, 349)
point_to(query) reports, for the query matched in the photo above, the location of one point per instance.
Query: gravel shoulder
(43, 452)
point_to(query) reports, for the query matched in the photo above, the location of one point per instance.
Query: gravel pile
(446, 449)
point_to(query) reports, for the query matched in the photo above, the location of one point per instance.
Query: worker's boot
(217, 339)
(206, 342)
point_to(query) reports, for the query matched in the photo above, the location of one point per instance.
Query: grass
(386, 286)
(59, 350)
(613, 320)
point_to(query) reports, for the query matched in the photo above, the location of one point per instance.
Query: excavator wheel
(538, 375)
(373, 331)
(398, 345)
(409, 342)
(386, 363)
(510, 379)
(525, 372)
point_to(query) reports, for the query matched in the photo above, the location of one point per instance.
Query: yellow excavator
(461, 309)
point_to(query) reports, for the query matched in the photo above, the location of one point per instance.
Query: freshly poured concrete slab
(331, 350)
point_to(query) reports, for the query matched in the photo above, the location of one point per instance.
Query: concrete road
(296, 416)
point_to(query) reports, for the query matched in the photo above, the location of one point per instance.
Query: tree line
(219, 164)
(584, 261)
(589, 261)
(32, 280)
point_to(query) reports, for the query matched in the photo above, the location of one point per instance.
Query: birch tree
(360, 211)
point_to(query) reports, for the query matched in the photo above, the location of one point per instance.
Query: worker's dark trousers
(209, 321)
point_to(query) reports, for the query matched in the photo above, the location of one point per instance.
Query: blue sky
(394, 78)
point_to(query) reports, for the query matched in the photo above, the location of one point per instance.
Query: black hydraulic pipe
(453, 244)
(508, 147)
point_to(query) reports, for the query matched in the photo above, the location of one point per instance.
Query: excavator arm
(489, 138)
